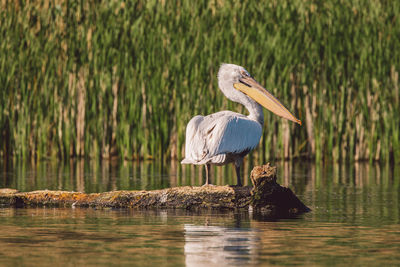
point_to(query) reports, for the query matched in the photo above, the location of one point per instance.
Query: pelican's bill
(254, 90)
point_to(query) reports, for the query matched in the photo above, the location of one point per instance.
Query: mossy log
(187, 197)
(267, 197)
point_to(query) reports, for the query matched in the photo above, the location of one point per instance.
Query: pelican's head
(236, 83)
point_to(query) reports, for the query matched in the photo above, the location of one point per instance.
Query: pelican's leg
(208, 180)
(237, 169)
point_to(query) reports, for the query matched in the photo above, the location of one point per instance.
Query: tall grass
(103, 78)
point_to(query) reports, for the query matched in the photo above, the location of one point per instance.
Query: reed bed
(123, 78)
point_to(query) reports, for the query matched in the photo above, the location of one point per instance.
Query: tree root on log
(267, 197)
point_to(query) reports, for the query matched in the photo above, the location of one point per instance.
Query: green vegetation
(103, 78)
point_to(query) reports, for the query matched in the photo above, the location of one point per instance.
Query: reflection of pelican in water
(216, 246)
(226, 136)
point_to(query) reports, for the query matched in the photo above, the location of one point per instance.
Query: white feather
(210, 138)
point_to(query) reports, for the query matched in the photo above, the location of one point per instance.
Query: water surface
(354, 220)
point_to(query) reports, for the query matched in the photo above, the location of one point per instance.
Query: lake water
(355, 219)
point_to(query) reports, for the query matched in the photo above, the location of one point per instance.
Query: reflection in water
(99, 176)
(320, 243)
(336, 193)
(355, 218)
(216, 245)
(73, 237)
(46, 236)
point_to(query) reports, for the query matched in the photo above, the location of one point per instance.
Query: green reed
(105, 78)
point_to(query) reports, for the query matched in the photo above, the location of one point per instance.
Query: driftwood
(267, 197)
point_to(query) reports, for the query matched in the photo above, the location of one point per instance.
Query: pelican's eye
(245, 73)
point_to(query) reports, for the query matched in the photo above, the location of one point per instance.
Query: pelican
(227, 137)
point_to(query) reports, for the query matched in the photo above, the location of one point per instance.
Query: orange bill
(254, 90)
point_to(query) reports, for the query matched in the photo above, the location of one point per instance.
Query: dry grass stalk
(80, 118)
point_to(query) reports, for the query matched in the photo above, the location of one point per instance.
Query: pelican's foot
(207, 185)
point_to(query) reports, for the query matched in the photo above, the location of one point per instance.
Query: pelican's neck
(225, 83)
(255, 110)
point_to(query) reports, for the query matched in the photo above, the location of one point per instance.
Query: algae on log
(187, 197)
(266, 197)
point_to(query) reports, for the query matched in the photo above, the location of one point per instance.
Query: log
(267, 197)
(186, 197)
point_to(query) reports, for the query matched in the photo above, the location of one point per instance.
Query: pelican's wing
(233, 133)
(210, 138)
(195, 145)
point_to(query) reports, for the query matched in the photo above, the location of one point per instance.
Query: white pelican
(226, 136)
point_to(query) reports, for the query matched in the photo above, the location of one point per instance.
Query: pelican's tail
(187, 161)
(218, 159)
(195, 162)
